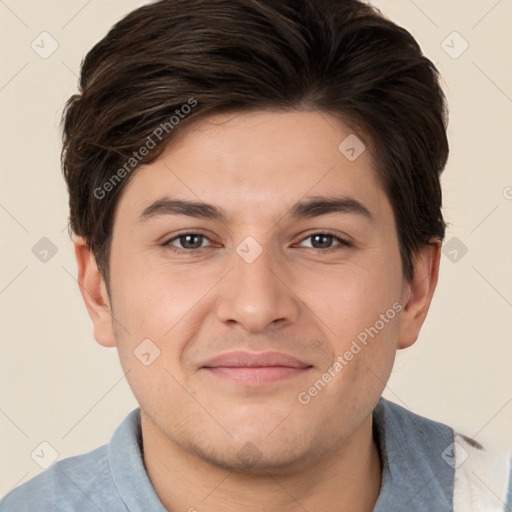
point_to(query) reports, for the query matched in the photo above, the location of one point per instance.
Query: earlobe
(94, 293)
(417, 295)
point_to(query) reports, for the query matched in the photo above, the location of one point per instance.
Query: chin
(257, 455)
(251, 460)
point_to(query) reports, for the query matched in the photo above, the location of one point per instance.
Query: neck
(349, 477)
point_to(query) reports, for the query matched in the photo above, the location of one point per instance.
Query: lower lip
(256, 375)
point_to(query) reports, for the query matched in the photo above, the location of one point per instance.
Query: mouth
(255, 368)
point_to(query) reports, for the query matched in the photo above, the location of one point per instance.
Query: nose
(258, 295)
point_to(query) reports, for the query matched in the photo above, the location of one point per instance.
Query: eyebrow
(312, 207)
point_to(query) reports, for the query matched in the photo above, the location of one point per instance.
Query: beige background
(59, 386)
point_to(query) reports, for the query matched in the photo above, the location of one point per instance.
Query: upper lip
(243, 359)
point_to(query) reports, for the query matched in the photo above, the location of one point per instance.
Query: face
(261, 329)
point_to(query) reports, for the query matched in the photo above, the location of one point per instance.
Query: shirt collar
(414, 477)
(127, 467)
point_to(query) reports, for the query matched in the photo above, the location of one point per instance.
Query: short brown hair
(339, 56)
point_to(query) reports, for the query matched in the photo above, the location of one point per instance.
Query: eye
(325, 241)
(188, 242)
(194, 242)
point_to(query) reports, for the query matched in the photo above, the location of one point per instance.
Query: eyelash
(342, 243)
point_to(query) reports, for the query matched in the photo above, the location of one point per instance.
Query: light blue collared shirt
(112, 478)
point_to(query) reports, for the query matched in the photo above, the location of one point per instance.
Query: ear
(417, 295)
(94, 292)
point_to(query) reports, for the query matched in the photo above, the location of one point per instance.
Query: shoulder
(73, 483)
(415, 477)
(476, 476)
(33, 495)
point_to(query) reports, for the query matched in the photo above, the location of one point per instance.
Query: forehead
(249, 163)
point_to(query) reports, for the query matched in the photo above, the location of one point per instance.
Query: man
(254, 190)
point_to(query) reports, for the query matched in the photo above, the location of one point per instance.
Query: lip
(240, 358)
(255, 368)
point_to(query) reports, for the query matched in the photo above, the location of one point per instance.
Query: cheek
(347, 299)
(163, 304)
(154, 296)
(357, 307)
